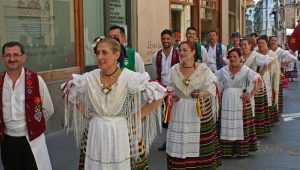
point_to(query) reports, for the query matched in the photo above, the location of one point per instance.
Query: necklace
(106, 88)
(188, 66)
(232, 75)
(108, 75)
(186, 81)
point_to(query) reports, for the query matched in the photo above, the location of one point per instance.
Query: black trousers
(16, 154)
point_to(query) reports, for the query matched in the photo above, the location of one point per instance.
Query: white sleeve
(154, 64)
(224, 55)
(224, 51)
(139, 82)
(263, 60)
(153, 91)
(139, 64)
(47, 104)
(219, 76)
(169, 82)
(75, 87)
(210, 83)
(204, 54)
(290, 56)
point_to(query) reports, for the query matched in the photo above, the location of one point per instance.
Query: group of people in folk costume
(215, 101)
(222, 99)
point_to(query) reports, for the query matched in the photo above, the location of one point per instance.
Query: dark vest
(219, 60)
(35, 120)
(174, 60)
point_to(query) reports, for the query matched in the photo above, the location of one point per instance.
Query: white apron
(40, 152)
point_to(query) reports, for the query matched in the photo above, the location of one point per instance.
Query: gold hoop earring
(116, 61)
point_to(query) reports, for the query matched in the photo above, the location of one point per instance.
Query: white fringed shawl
(84, 99)
(202, 79)
(275, 75)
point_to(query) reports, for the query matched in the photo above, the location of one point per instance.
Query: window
(181, 20)
(210, 17)
(93, 18)
(44, 27)
(98, 16)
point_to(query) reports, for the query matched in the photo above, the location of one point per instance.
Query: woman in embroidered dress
(108, 101)
(284, 59)
(291, 69)
(271, 77)
(254, 60)
(238, 84)
(192, 141)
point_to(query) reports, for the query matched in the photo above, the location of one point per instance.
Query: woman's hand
(172, 97)
(246, 97)
(195, 93)
(200, 93)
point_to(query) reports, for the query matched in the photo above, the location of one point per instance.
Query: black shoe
(163, 147)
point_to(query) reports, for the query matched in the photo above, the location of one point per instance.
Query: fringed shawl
(275, 75)
(84, 99)
(202, 79)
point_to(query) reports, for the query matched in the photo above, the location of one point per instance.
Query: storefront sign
(117, 11)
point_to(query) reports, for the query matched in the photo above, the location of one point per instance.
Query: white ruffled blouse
(114, 119)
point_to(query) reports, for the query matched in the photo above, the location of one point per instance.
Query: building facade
(285, 14)
(263, 20)
(250, 17)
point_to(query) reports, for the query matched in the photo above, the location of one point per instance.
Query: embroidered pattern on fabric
(37, 109)
(38, 115)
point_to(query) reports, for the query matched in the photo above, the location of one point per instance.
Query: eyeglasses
(13, 55)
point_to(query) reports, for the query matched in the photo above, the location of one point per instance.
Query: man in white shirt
(216, 52)
(25, 104)
(133, 60)
(163, 60)
(201, 53)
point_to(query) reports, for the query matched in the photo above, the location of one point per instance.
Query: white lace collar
(196, 80)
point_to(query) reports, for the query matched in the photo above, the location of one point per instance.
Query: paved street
(280, 150)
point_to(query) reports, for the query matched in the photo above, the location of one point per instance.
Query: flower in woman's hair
(97, 40)
(186, 81)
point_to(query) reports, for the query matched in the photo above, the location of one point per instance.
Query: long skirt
(262, 116)
(241, 148)
(292, 73)
(210, 153)
(280, 95)
(274, 115)
(141, 164)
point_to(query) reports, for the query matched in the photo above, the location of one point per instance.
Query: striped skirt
(210, 153)
(262, 116)
(274, 115)
(280, 97)
(141, 164)
(241, 148)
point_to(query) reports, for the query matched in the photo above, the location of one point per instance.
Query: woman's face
(262, 45)
(105, 57)
(245, 47)
(234, 59)
(186, 53)
(273, 42)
